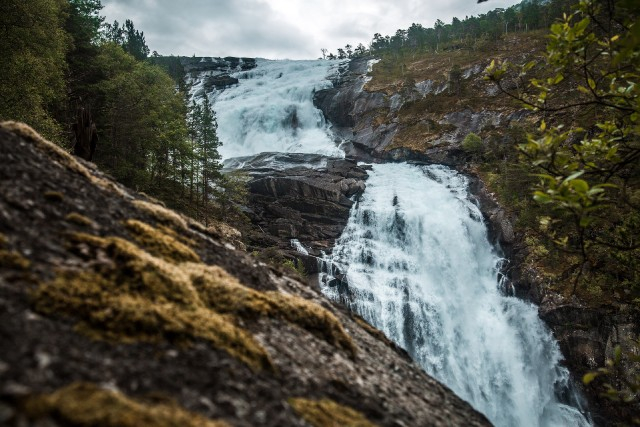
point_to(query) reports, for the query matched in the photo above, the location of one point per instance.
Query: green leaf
(572, 176)
(589, 377)
(579, 185)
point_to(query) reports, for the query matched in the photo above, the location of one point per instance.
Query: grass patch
(85, 404)
(327, 413)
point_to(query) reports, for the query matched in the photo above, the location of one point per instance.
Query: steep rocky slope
(115, 311)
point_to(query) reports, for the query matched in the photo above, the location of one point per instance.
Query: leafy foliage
(589, 164)
(33, 45)
(58, 56)
(472, 143)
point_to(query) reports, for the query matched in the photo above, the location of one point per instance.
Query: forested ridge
(470, 33)
(59, 57)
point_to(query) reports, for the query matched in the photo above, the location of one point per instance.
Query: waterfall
(420, 268)
(414, 259)
(271, 109)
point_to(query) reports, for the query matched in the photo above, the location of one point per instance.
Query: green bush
(472, 143)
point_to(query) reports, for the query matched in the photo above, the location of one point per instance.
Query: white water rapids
(420, 268)
(416, 257)
(271, 109)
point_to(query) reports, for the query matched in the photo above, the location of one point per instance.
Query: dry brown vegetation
(327, 413)
(86, 404)
(420, 121)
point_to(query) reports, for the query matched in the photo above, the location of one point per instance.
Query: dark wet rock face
(347, 106)
(300, 196)
(214, 72)
(144, 349)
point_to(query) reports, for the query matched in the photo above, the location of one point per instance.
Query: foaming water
(271, 109)
(420, 268)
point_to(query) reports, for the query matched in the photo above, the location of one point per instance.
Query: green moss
(162, 214)
(225, 294)
(79, 219)
(159, 243)
(85, 404)
(130, 294)
(139, 297)
(54, 196)
(12, 259)
(327, 413)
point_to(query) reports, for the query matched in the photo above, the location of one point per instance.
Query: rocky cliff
(208, 73)
(115, 311)
(306, 197)
(423, 114)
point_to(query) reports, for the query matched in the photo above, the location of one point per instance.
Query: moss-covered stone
(12, 259)
(225, 294)
(58, 154)
(162, 214)
(53, 196)
(79, 219)
(139, 297)
(159, 243)
(327, 413)
(130, 294)
(85, 404)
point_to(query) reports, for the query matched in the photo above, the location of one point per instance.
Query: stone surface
(300, 196)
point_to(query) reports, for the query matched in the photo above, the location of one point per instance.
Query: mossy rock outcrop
(116, 311)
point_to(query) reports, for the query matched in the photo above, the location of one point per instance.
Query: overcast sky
(279, 29)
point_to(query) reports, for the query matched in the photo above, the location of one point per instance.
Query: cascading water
(421, 269)
(271, 109)
(416, 257)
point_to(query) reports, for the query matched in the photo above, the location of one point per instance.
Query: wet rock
(301, 196)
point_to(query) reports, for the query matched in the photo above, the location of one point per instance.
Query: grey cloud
(255, 28)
